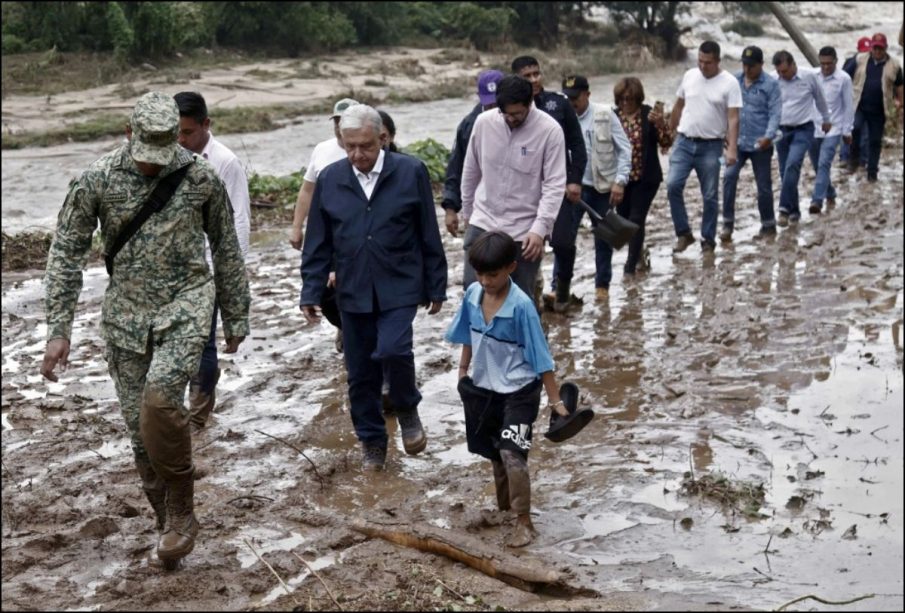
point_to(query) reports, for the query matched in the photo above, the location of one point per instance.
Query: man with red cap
(877, 91)
(849, 67)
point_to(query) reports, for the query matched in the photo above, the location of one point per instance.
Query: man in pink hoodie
(514, 177)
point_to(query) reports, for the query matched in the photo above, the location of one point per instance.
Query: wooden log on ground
(517, 572)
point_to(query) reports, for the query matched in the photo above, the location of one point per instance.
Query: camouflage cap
(341, 106)
(155, 125)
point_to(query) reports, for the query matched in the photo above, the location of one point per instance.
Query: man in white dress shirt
(195, 135)
(837, 89)
(800, 92)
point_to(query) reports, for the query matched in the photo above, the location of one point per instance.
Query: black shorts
(495, 421)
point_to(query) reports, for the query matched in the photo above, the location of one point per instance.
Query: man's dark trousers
(874, 123)
(373, 343)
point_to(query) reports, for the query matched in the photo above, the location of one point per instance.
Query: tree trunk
(795, 33)
(520, 572)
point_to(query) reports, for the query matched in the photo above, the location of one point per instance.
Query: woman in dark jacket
(646, 130)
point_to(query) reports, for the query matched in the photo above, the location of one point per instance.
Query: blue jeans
(564, 258)
(822, 154)
(207, 371)
(704, 158)
(374, 344)
(873, 124)
(790, 150)
(760, 164)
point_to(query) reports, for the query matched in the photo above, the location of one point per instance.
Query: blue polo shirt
(509, 352)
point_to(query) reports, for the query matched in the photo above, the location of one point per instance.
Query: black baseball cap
(752, 55)
(573, 85)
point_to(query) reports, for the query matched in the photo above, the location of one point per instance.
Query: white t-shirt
(325, 153)
(707, 102)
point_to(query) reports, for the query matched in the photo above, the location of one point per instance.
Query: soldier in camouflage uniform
(160, 300)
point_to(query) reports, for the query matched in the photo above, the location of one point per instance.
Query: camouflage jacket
(161, 284)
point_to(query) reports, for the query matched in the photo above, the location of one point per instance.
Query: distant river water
(35, 179)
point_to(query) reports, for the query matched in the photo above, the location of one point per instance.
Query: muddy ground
(774, 365)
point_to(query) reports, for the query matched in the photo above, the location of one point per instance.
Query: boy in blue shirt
(500, 332)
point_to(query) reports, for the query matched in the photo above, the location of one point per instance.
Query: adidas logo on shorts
(517, 433)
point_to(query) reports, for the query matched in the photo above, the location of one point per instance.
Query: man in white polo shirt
(195, 135)
(706, 113)
(325, 153)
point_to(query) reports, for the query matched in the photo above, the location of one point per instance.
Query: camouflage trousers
(162, 372)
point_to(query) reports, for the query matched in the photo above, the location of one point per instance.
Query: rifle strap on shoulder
(156, 201)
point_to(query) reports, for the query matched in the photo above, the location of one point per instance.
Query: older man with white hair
(373, 213)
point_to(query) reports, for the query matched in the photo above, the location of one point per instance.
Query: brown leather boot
(155, 489)
(502, 485)
(178, 538)
(200, 403)
(164, 427)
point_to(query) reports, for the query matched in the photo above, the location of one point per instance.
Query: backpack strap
(156, 201)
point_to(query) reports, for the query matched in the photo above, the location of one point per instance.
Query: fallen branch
(302, 453)
(324, 583)
(874, 433)
(249, 497)
(819, 599)
(450, 590)
(208, 444)
(515, 571)
(280, 579)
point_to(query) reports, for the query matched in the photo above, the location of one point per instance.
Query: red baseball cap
(864, 44)
(878, 40)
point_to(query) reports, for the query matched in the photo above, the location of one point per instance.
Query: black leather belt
(801, 125)
(695, 139)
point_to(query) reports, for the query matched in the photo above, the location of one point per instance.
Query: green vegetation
(155, 30)
(279, 192)
(433, 154)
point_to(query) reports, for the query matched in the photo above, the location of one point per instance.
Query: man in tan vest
(877, 91)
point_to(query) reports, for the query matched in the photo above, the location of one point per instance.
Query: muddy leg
(516, 465)
(502, 485)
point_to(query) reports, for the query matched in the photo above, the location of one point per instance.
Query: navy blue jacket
(452, 186)
(559, 108)
(389, 246)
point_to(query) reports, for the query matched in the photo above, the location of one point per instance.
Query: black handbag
(612, 227)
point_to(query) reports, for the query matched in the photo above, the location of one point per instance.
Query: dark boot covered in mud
(155, 489)
(178, 538)
(201, 403)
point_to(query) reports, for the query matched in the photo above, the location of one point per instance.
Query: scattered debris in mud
(740, 496)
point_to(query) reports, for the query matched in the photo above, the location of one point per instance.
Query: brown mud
(774, 368)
